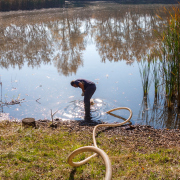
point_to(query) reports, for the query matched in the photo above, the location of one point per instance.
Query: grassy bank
(10, 5)
(138, 153)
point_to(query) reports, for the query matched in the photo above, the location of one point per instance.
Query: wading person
(88, 89)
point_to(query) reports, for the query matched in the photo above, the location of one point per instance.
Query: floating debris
(13, 102)
(37, 100)
(71, 96)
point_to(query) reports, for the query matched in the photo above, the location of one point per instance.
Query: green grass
(42, 154)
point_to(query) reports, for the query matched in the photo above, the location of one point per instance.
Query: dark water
(41, 51)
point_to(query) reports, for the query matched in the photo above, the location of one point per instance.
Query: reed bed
(170, 58)
(10, 5)
(165, 60)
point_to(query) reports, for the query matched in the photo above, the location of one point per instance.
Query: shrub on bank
(10, 5)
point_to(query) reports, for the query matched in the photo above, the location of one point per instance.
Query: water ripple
(75, 110)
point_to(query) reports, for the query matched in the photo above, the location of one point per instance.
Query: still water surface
(42, 51)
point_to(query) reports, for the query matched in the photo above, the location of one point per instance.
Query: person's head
(73, 84)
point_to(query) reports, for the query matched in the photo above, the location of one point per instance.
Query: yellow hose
(97, 150)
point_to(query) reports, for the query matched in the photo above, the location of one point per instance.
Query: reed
(9, 5)
(145, 76)
(167, 55)
(156, 79)
(171, 56)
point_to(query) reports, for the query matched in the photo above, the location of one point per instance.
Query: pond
(41, 51)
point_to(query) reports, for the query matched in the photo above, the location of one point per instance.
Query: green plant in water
(169, 58)
(156, 75)
(171, 42)
(145, 76)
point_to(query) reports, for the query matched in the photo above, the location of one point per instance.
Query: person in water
(88, 89)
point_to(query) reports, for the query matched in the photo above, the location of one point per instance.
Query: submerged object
(91, 102)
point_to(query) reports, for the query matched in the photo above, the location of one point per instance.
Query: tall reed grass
(9, 5)
(145, 69)
(171, 56)
(168, 56)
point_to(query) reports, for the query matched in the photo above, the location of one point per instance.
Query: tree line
(12, 5)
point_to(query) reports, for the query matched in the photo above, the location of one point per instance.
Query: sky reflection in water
(40, 53)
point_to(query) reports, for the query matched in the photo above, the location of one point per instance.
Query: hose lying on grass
(97, 150)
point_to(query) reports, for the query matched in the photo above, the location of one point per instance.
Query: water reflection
(158, 115)
(124, 33)
(1, 107)
(120, 33)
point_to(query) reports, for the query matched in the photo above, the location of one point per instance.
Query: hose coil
(97, 150)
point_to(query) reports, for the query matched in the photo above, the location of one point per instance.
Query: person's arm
(81, 85)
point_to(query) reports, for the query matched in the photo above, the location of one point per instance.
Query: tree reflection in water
(59, 37)
(121, 32)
